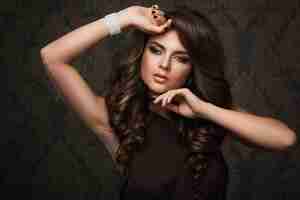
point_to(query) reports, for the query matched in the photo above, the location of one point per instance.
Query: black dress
(158, 173)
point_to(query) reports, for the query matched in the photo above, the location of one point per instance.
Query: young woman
(168, 107)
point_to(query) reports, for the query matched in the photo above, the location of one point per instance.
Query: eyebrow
(161, 46)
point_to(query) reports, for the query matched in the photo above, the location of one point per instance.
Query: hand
(149, 20)
(183, 102)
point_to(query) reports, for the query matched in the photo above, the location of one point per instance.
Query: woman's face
(164, 55)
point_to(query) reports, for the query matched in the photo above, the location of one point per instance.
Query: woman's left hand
(182, 101)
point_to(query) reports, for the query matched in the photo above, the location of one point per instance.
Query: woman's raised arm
(75, 91)
(72, 44)
(64, 49)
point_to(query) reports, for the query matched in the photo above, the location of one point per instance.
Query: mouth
(160, 78)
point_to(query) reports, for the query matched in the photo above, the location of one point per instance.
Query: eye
(154, 50)
(183, 60)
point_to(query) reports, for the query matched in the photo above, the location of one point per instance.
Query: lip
(161, 76)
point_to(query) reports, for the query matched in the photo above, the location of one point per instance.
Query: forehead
(169, 39)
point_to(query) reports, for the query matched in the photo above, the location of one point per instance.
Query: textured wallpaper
(47, 150)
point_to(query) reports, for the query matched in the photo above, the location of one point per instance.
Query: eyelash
(154, 50)
(157, 52)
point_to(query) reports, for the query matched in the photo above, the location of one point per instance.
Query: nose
(165, 62)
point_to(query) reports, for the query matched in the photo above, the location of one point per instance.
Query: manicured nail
(155, 6)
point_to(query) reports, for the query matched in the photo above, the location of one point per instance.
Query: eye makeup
(162, 47)
(182, 59)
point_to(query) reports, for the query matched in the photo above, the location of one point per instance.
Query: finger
(160, 28)
(171, 97)
(158, 12)
(155, 6)
(168, 98)
(160, 98)
(172, 107)
(165, 100)
(158, 16)
(157, 99)
(167, 25)
(154, 11)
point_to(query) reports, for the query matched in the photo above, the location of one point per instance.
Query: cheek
(180, 76)
(146, 67)
(143, 70)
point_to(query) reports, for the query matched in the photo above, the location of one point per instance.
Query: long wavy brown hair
(128, 103)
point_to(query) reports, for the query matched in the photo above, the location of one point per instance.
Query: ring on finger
(160, 12)
(155, 6)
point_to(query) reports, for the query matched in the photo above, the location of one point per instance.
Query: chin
(158, 89)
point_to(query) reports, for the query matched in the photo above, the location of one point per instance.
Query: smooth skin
(260, 131)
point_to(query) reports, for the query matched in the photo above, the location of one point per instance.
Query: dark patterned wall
(48, 153)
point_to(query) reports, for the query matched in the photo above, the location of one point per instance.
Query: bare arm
(57, 55)
(259, 131)
(69, 46)
(255, 130)
(64, 49)
(73, 88)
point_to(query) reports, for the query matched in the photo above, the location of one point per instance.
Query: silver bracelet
(112, 21)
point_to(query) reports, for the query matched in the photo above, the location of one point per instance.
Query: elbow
(292, 139)
(288, 141)
(285, 137)
(46, 57)
(43, 55)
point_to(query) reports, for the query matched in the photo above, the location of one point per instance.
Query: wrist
(116, 22)
(205, 110)
(124, 19)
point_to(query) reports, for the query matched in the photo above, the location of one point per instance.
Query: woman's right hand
(143, 18)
